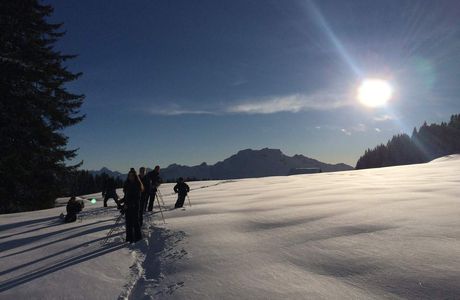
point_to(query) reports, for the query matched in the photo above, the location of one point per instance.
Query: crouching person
(132, 188)
(181, 189)
(73, 208)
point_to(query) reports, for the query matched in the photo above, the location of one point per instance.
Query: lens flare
(93, 201)
(374, 92)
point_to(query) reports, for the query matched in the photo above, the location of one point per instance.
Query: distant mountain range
(245, 164)
(111, 173)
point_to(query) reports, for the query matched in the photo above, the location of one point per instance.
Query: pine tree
(431, 141)
(35, 107)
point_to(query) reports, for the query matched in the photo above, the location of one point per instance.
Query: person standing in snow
(110, 192)
(155, 181)
(133, 189)
(145, 194)
(181, 189)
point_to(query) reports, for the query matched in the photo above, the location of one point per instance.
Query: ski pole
(161, 198)
(112, 230)
(190, 203)
(161, 211)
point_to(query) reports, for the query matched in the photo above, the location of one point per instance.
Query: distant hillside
(250, 163)
(429, 142)
(245, 164)
(104, 170)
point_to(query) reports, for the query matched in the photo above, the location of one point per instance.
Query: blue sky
(192, 81)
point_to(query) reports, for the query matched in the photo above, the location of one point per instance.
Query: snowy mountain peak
(249, 163)
(245, 163)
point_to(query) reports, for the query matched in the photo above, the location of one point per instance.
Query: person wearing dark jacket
(73, 208)
(109, 191)
(133, 189)
(181, 189)
(154, 181)
(144, 195)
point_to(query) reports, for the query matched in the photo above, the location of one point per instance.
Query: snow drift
(375, 233)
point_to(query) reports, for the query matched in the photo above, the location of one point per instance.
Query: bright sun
(374, 92)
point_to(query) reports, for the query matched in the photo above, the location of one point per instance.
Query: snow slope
(384, 233)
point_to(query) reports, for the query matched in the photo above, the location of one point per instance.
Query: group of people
(140, 191)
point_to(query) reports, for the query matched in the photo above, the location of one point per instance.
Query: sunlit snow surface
(380, 233)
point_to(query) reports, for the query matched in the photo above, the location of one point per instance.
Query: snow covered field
(372, 234)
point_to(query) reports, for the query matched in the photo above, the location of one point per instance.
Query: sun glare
(374, 92)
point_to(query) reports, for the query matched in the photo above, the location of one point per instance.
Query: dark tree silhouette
(34, 107)
(82, 182)
(429, 142)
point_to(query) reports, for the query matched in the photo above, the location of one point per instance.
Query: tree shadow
(25, 223)
(55, 221)
(57, 253)
(21, 242)
(52, 223)
(11, 283)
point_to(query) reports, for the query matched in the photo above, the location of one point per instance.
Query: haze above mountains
(244, 164)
